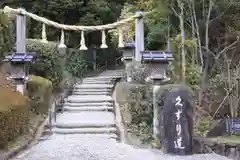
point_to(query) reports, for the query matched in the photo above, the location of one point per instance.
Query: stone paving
(86, 129)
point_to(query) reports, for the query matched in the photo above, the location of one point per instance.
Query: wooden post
(21, 44)
(139, 36)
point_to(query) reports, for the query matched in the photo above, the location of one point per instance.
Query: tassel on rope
(62, 45)
(82, 43)
(120, 38)
(44, 34)
(103, 45)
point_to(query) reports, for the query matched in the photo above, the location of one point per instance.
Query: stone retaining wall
(230, 150)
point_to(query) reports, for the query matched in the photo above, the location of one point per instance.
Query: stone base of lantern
(127, 63)
(20, 84)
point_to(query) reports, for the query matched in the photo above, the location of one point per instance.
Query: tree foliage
(6, 39)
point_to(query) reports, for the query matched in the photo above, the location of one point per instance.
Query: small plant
(138, 72)
(203, 126)
(76, 65)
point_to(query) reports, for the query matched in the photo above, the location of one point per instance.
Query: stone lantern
(128, 57)
(128, 53)
(158, 62)
(19, 68)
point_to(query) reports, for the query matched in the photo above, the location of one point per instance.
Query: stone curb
(119, 119)
(37, 134)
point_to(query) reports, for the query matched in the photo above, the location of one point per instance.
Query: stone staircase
(86, 129)
(90, 109)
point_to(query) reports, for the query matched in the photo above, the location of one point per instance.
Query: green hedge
(48, 63)
(39, 91)
(14, 115)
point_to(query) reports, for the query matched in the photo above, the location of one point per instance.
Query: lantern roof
(20, 57)
(157, 56)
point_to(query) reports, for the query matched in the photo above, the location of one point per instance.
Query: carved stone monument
(177, 121)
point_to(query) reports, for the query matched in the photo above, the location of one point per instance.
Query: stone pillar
(139, 36)
(20, 86)
(156, 108)
(177, 133)
(128, 73)
(156, 130)
(21, 45)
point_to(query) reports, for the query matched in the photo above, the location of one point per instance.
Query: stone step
(88, 98)
(111, 76)
(91, 93)
(98, 79)
(93, 86)
(92, 90)
(83, 125)
(104, 78)
(111, 130)
(81, 119)
(94, 108)
(88, 104)
(97, 82)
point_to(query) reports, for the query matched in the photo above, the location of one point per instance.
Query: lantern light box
(19, 61)
(158, 62)
(128, 51)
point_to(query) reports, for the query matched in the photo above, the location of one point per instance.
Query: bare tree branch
(220, 106)
(175, 12)
(207, 24)
(226, 48)
(220, 14)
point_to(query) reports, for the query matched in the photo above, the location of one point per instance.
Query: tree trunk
(207, 25)
(194, 49)
(204, 80)
(197, 32)
(181, 18)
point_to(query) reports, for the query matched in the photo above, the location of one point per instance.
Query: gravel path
(97, 147)
(79, 146)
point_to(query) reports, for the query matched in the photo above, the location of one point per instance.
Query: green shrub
(75, 63)
(193, 76)
(203, 126)
(138, 72)
(136, 107)
(48, 64)
(39, 91)
(14, 115)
